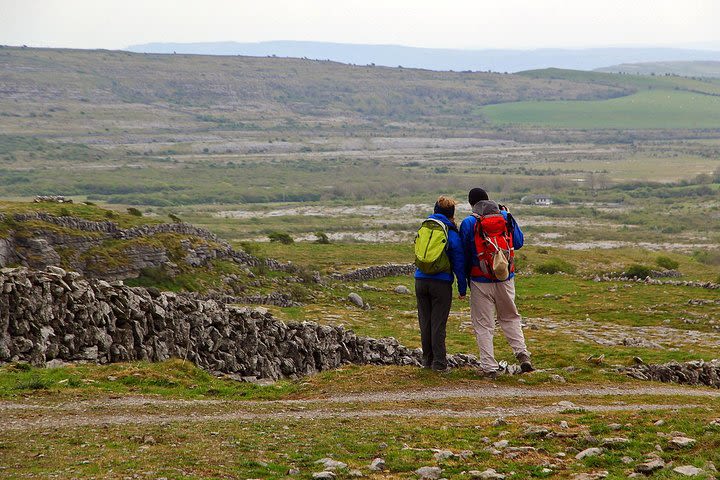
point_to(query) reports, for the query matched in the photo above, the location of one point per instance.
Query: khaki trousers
(488, 300)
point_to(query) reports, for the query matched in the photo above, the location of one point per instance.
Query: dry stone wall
(376, 271)
(56, 315)
(696, 372)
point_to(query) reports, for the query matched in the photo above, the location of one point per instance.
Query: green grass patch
(648, 109)
(172, 378)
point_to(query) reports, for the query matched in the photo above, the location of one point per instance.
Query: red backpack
(494, 247)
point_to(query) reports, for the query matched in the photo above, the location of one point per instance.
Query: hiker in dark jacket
(491, 298)
(434, 291)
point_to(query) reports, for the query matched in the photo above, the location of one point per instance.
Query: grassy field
(659, 109)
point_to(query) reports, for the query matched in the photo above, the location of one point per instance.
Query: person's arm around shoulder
(466, 239)
(456, 253)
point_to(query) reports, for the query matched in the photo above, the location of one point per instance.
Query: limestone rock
(652, 464)
(378, 464)
(536, 431)
(428, 473)
(331, 464)
(324, 474)
(613, 441)
(681, 442)
(489, 474)
(356, 299)
(688, 470)
(501, 444)
(589, 452)
(443, 455)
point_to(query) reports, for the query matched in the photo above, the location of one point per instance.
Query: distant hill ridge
(707, 69)
(497, 60)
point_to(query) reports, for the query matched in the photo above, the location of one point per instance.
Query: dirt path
(489, 391)
(34, 415)
(160, 418)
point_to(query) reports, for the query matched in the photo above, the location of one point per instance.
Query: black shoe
(525, 365)
(441, 370)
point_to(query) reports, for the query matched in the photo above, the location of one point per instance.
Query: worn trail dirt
(144, 419)
(32, 415)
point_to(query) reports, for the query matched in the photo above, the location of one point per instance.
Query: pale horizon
(459, 24)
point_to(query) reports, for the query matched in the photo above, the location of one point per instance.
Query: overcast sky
(426, 23)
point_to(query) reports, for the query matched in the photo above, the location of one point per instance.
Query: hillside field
(659, 109)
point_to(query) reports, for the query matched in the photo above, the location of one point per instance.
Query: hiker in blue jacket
(492, 299)
(434, 291)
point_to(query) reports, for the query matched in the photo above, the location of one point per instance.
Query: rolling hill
(708, 69)
(245, 93)
(496, 60)
(664, 102)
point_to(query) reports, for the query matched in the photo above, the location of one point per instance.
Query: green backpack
(430, 244)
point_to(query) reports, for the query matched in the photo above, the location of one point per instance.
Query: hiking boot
(525, 364)
(442, 370)
(490, 375)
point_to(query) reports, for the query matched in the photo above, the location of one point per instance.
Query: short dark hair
(477, 194)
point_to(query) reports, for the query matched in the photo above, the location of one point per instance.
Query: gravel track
(320, 414)
(113, 411)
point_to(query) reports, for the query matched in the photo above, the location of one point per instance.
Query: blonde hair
(447, 202)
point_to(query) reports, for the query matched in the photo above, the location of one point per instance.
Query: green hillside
(708, 69)
(654, 109)
(666, 102)
(635, 82)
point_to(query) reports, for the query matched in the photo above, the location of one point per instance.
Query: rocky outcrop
(8, 252)
(112, 230)
(57, 315)
(376, 271)
(695, 372)
(78, 244)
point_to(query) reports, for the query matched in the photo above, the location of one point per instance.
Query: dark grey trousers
(434, 298)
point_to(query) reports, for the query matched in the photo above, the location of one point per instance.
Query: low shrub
(134, 212)
(280, 237)
(555, 265)
(33, 383)
(638, 271)
(667, 262)
(322, 238)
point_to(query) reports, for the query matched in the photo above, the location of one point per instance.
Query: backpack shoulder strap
(442, 224)
(510, 223)
(478, 225)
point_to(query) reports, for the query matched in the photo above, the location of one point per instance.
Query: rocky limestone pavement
(57, 315)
